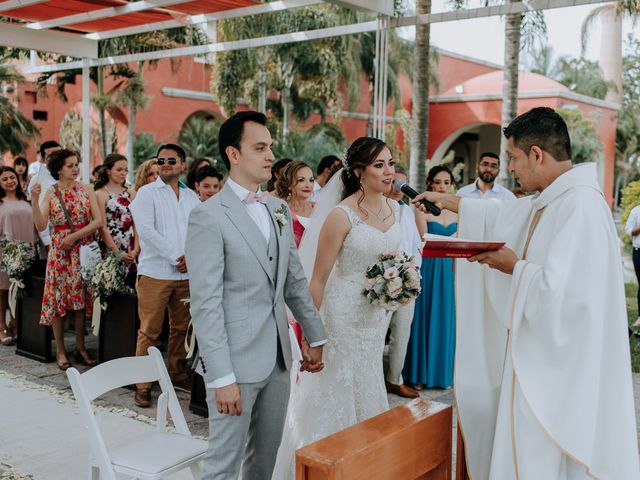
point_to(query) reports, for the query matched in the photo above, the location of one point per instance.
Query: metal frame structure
(77, 35)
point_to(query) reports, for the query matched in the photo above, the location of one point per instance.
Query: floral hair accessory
(345, 165)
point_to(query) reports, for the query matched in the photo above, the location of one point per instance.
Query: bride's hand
(311, 358)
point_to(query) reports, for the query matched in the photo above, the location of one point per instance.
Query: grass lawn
(632, 312)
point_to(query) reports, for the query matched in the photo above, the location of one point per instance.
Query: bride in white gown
(351, 388)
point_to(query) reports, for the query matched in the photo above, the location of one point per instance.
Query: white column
(86, 121)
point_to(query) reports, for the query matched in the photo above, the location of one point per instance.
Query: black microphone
(411, 193)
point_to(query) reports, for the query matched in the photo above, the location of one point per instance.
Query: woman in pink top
(16, 224)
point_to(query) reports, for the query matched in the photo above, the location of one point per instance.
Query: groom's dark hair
(231, 130)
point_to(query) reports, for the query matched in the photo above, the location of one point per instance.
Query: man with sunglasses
(161, 212)
(485, 186)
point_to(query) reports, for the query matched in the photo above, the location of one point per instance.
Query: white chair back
(117, 373)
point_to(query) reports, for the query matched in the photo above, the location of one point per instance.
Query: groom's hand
(228, 400)
(311, 358)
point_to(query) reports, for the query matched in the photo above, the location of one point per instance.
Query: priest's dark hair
(544, 128)
(231, 131)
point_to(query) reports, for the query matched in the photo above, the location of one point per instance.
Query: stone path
(45, 452)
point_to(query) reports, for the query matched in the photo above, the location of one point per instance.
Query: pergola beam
(132, 7)
(13, 4)
(383, 7)
(204, 18)
(17, 36)
(351, 29)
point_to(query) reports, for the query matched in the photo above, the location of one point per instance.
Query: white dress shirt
(42, 176)
(632, 222)
(161, 220)
(410, 243)
(256, 210)
(496, 192)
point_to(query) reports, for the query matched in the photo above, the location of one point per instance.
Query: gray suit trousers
(264, 408)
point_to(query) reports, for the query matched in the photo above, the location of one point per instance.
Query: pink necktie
(256, 197)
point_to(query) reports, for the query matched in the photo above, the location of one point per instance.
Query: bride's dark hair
(361, 153)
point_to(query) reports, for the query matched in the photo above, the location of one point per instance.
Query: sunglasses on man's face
(171, 161)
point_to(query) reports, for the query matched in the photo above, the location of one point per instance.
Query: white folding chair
(152, 457)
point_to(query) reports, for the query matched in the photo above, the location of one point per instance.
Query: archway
(468, 142)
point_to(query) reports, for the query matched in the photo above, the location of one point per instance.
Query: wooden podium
(412, 441)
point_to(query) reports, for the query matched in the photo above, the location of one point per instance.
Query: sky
(484, 38)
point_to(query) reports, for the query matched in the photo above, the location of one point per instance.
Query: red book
(440, 246)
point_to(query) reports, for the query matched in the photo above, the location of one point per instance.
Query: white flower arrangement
(282, 216)
(392, 281)
(17, 257)
(107, 278)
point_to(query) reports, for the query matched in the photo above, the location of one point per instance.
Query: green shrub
(630, 199)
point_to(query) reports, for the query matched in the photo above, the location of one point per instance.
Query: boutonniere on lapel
(282, 216)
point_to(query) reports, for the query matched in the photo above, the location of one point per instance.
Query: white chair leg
(196, 472)
(94, 473)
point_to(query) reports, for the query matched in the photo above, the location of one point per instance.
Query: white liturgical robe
(542, 372)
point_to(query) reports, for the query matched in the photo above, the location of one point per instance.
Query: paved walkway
(42, 436)
(41, 433)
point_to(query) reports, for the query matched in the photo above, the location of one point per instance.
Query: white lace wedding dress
(351, 388)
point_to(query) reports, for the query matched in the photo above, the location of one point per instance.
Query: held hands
(228, 400)
(311, 358)
(503, 260)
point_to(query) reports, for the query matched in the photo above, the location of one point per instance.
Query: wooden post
(412, 441)
(461, 463)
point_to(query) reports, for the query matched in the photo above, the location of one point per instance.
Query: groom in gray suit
(243, 267)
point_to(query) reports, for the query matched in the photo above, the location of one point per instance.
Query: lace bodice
(364, 243)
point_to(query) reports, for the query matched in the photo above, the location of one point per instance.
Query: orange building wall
(165, 115)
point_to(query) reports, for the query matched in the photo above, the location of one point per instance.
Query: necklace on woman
(377, 215)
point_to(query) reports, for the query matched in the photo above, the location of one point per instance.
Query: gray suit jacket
(238, 308)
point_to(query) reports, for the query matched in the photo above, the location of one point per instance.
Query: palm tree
(420, 104)
(611, 16)
(522, 31)
(199, 137)
(306, 75)
(15, 129)
(128, 87)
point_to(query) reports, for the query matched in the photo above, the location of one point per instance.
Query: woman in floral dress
(114, 197)
(64, 291)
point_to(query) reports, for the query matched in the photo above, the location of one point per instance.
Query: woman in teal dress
(429, 360)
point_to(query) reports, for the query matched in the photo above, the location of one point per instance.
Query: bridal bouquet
(392, 281)
(16, 259)
(108, 278)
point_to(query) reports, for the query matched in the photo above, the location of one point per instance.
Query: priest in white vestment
(542, 372)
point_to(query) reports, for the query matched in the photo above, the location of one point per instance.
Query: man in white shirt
(326, 168)
(632, 228)
(42, 176)
(401, 320)
(161, 211)
(485, 186)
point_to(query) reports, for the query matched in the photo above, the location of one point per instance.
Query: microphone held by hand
(411, 193)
